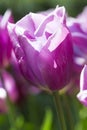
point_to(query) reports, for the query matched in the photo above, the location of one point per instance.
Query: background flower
(78, 29)
(5, 42)
(82, 95)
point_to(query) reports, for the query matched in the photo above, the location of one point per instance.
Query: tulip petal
(82, 95)
(31, 56)
(52, 64)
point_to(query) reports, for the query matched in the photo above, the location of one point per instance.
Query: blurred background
(20, 8)
(38, 111)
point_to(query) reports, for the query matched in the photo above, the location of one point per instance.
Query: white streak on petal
(55, 65)
(2, 93)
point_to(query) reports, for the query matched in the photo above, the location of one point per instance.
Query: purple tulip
(78, 29)
(82, 95)
(5, 42)
(43, 48)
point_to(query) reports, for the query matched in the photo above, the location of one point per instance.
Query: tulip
(5, 42)
(43, 48)
(78, 29)
(82, 95)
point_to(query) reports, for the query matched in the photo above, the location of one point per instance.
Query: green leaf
(29, 126)
(47, 123)
(83, 113)
(79, 126)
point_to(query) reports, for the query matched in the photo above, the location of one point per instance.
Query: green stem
(59, 109)
(11, 115)
(69, 112)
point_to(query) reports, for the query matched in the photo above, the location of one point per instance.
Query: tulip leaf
(83, 113)
(47, 122)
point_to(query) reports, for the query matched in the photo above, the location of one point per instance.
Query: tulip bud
(43, 48)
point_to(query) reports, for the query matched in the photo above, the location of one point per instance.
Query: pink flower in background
(82, 95)
(43, 48)
(3, 95)
(7, 87)
(10, 86)
(5, 42)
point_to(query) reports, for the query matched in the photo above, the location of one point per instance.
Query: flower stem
(69, 112)
(59, 109)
